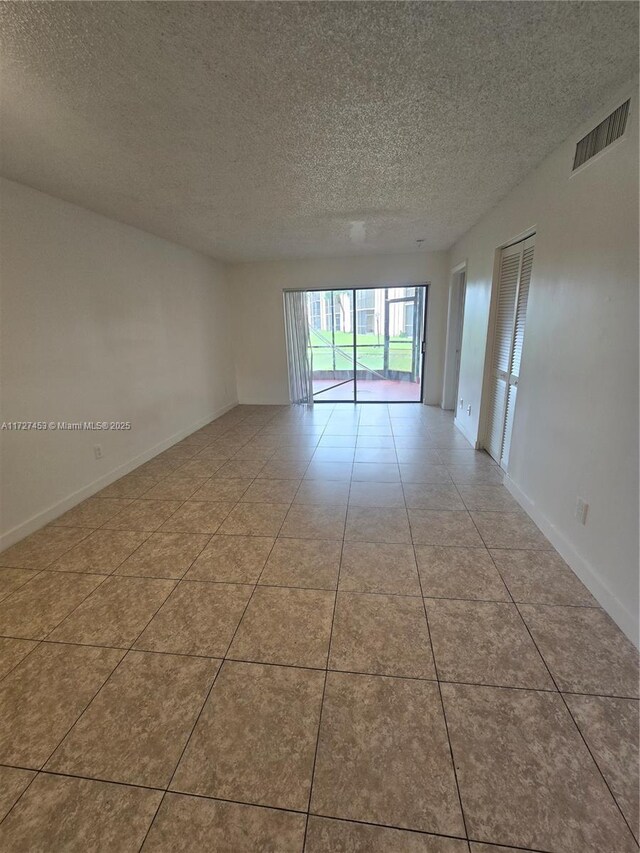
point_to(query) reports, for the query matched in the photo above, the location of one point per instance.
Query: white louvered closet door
(516, 263)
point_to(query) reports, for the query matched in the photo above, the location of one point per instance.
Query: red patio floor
(369, 390)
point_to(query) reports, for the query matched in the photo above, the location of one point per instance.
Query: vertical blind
(298, 350)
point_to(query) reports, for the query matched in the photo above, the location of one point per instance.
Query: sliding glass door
(367, 345)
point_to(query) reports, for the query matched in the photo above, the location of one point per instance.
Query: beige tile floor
(319, 630)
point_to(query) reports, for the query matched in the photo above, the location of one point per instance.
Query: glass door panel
(370, 336)
(331, 348)
(389, 333)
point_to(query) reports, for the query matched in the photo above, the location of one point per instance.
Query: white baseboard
(472, 441)
(626, 619)
(249, 402)
(40, 519)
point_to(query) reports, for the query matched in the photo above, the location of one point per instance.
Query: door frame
(485, 401)
(423, 343)
(453, 345)
(462, 294)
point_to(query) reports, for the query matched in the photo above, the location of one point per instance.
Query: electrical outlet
(97, 451)
(582, 508)
(469, 409)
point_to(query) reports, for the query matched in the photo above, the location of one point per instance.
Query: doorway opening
(367, 345)
(453, 347)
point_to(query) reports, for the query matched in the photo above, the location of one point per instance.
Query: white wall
(576, 423)
(100, 322)
(260, 350)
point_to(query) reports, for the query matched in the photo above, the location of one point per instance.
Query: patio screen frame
(422, 345)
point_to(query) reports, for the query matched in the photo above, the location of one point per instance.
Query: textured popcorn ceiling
(262, 130)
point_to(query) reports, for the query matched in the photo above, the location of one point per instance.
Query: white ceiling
(264, 130)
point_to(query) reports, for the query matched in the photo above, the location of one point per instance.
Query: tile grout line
(326, 676)
(179, 580)
(108, 678)
(429, 834)
(202, 707)
(331, 669)
(579, 730)
(397, 827)
(35, 573)
(551, 690)
(558, 691)
(45, 639)
(161, 577)
(442, 706)
(37, 772)
(209, 692)
(40, 640)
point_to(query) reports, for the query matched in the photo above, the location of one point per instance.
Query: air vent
(604, 134)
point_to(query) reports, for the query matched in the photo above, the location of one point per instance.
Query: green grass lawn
(369, 352)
